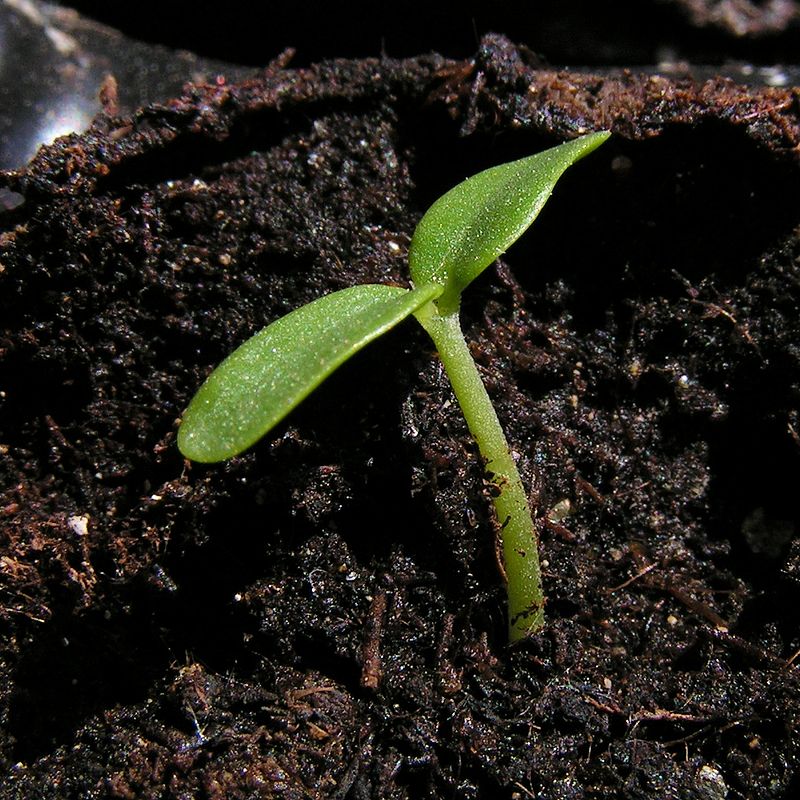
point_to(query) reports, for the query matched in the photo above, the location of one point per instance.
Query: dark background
(580, 32)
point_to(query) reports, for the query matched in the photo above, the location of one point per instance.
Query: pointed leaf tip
(466, 229)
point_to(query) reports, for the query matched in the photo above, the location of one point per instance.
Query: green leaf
(466, 229)
(271, 373)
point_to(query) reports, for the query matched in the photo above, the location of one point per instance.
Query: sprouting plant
(460, 235)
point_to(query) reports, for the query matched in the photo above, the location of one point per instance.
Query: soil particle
(323, 617)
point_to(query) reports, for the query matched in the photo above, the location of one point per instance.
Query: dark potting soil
(323, 617)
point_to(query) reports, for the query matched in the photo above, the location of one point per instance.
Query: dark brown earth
(323, 617)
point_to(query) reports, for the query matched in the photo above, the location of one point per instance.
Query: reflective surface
(53, 63)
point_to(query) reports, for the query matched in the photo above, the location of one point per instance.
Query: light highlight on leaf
(271, 373)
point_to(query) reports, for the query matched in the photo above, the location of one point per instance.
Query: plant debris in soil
(323, 616)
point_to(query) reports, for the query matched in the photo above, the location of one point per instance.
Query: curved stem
(517, 531)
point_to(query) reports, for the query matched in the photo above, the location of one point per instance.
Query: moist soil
(323, 617)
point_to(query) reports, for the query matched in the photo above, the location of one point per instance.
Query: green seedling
(460, 235)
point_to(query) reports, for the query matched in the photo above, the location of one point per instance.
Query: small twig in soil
(587, 488)
(316, 732)
(659, 582)
(714, 310)
(746, 648)
(371, 668)
(640, 574)
(449, 678)
(560, 530)
(299, 694)
(26, 614)
(697, 606)
(664, 715)
(53, 427)
(684, 739)
(608, 708)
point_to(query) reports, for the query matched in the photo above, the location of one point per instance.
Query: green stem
(517, 531)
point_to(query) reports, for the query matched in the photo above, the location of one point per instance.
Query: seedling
(461, 234)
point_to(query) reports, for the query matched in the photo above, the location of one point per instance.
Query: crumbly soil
(323, 617)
